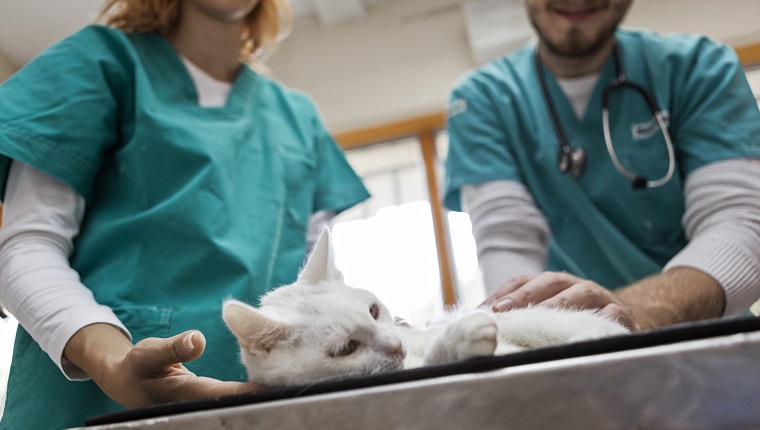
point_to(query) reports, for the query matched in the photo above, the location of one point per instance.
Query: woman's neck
(211, 44)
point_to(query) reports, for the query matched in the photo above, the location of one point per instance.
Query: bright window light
(387, 244)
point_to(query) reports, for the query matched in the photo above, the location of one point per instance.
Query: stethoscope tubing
(569, 155)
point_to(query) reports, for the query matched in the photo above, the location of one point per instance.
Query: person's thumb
(153, 354)
(190, 345)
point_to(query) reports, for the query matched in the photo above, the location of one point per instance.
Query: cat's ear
(255, 331)
(320, 266)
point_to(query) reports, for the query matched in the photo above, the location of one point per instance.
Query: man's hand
(561, 290)
(678, 295)
(149, 372)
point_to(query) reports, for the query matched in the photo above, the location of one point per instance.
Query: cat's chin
(388, 367)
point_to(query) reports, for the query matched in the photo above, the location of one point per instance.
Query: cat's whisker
(304, 389)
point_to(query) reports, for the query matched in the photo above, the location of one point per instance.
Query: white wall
(734, 22)
(7, 67)
(7, 326)
(402, 59)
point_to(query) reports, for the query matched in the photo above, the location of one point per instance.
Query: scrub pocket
(646, 157)
(658, 212)
(146, 321)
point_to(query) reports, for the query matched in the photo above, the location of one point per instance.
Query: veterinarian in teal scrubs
(183, 206)
(598, 228)
(601, 220)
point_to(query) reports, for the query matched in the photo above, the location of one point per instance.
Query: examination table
(702, 375)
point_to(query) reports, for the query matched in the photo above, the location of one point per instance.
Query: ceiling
(29, 26)
(329, 12)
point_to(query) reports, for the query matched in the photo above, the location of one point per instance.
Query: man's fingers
(508, 287)
(535, 290)
(583, 295)
(588, 295)
(620, 314)
(153, 354)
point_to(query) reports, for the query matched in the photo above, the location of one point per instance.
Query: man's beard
(575, 46)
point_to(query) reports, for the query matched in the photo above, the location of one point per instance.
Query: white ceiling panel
(331, 12)
(301, 9)
(29, 26)
(494, 26)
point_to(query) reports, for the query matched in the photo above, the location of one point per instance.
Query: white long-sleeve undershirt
(511, 234)
(722, 224)
(41, 216)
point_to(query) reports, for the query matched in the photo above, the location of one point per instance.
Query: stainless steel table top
(710, 383)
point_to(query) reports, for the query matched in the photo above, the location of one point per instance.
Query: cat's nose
(394, 347)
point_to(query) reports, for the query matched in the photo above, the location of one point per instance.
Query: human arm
(85, 339)
(680, 294)
(717, 273)
(41, 216)
(721, 203)
(511, 234)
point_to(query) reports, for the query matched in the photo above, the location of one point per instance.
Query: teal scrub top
(185, 206)
(602, 229)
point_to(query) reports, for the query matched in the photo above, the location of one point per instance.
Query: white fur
(296, 335)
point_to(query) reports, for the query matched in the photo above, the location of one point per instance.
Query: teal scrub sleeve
(716, 114)
(59, 113)
(338, 186)
(478, 149)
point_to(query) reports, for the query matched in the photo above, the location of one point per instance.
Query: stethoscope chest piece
(573, 161)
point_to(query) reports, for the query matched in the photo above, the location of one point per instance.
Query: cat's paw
(479, 333)
(470, 336)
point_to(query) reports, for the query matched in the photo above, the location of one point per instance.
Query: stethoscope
(574, 160)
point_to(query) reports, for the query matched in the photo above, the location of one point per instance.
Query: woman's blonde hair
(267, 24)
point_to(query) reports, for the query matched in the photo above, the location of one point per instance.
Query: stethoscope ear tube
(621, 81)
(569, 160)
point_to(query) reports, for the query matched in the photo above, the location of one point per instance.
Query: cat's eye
(348, 348)
(374, 310)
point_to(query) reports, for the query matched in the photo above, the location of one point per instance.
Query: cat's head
(316, 328)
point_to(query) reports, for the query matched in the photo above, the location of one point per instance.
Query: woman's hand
(149, 372)
(561, 290)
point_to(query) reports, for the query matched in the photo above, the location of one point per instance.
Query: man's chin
(576, 46)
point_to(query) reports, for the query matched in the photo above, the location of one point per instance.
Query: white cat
(319, 327)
